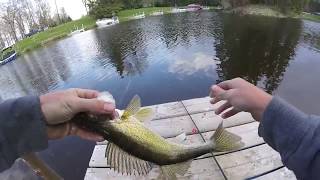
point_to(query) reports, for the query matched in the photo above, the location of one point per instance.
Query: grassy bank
(311, 17)
(263, 10)
(126, 14)
(51, 34)
(63, 30)
(260, 10)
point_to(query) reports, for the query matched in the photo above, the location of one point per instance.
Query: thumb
(94, 106)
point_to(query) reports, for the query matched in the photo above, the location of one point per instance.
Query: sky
(74, 8)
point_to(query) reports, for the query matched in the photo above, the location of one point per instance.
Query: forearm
(295, 135)
(22, 129)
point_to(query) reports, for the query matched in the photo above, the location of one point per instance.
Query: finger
(226, 85)
(94, 106)
(220, 94)
(223, 107)
(214, 100)
(87, 93)
(230, 113)
(216, 91)
(85, 134)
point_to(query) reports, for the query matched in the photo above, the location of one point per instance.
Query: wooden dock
(196, 117)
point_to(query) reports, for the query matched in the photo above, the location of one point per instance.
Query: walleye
(133, 148)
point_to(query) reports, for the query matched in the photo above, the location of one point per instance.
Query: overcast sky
(74, 8)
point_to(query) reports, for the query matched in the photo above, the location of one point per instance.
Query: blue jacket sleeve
(295, 135)
(22, 129)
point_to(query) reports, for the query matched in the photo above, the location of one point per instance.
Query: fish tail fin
(225, 141)
(170, 171)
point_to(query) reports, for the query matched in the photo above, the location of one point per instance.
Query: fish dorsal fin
(226, 141)
(124, 163)
(170, 171)
(144, 114)
(133, 107)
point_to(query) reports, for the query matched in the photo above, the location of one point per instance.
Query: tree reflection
(125, 49)
(256, 48)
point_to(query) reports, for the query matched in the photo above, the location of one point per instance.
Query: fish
(134, 149)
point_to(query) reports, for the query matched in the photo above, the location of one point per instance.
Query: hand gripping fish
(133, 149)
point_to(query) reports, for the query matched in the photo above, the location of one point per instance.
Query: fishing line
(125, 90)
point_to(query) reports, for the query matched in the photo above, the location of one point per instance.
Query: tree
(9, 17)
(104, 8)
(43, 13)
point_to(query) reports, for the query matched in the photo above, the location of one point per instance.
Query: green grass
(126, 14)
(51, 34)
(311, 17)
(63, 30)
(260, 10)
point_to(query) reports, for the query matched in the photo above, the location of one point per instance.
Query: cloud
(198, 62)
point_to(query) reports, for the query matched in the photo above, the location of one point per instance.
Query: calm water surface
(170, 58)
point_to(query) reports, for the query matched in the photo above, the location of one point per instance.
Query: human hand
(240, 95)
(60, 107)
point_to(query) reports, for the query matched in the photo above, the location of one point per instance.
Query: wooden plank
(283, 174)
(199, 169)
(199, 105)
(209, 121)
(249, 162)
(98, 158)
(168, 110)
(171, 127)
(248, 133)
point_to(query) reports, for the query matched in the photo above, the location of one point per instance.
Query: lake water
(170, 58)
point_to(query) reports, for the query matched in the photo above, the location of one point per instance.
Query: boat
(178, 10)
(106, 22)
(193, 7)
(138, 16)
(7, 54)
(77, 30)
(157, 13)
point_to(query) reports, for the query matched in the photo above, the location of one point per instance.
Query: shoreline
(63, 30)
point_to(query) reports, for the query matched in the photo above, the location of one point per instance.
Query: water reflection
(193, 63)
(257, 49)
(163, 59)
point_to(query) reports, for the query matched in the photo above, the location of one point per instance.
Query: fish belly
(141, 142)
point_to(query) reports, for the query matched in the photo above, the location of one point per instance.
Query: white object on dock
(157, 13)
(105, 22)
(138, 16)
(178, 10)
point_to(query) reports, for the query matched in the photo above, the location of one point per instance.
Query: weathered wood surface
(249, 162)
(197, 119)
(199, 169)
(283, 174)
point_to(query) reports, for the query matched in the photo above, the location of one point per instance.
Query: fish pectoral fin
(144, 114)
(124, 163)
(171, 171)
(226, 141)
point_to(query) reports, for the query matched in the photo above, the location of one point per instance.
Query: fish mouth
(119, 113)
